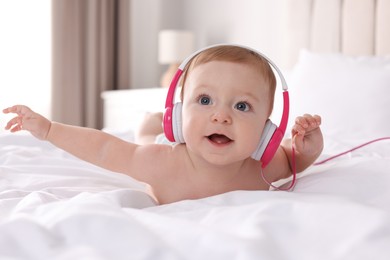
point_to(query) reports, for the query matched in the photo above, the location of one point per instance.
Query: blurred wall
(255, 23)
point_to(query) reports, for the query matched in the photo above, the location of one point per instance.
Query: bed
(54, 206)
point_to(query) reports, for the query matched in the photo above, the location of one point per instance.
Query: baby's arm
(307, 140)
(150, 128)
(88, 144)
(308, 144)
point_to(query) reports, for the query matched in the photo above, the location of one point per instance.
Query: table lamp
(173, 47)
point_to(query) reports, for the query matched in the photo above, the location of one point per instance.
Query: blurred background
(25, 55)
(58, 56)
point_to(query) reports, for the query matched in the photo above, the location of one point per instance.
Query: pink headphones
(270, 138)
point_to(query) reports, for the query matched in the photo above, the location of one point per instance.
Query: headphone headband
(187, 60)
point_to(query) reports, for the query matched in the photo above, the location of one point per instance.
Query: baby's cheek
(190, 127)
(251, 140)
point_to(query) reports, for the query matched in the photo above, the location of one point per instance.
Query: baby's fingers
(15, 124)
(17, 109)
(314, 120)
(306, 123)
(12, 109)
(298, 129)
(308, 120)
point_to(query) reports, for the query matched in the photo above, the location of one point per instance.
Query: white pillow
(351, 94)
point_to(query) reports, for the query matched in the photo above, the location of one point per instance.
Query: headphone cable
(350, 150)
(293, 167)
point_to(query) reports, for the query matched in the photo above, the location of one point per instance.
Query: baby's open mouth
(219, 139)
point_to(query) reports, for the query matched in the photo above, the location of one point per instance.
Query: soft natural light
(25, 55)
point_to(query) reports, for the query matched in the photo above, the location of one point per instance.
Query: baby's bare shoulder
(156, 160)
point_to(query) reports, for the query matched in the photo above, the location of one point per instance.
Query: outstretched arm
(87, 144)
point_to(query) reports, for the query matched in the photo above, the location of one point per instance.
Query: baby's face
(224, 111)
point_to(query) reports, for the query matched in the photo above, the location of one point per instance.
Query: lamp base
(168, 75)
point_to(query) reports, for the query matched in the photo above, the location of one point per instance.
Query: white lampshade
(174, 46)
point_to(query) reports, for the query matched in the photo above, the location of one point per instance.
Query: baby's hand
(307, 136)
(27, 119)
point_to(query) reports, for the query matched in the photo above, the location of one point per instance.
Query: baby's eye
(204, 100)
(242, 106)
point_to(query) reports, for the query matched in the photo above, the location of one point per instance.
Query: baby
(227, 97)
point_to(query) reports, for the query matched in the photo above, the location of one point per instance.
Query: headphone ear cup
(177, 128)
(172, 123)
(167, 124)
(266, 136)
(269, 143)
(272, 147)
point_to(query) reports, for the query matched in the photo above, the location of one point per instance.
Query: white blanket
(53, 206)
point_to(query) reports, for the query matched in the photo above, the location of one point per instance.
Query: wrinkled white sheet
(53, 206)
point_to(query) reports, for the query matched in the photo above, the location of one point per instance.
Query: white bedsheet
(53, 206)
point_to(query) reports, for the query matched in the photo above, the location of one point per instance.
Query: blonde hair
(236, 54)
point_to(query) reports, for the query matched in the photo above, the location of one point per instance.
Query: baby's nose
(221, 117)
